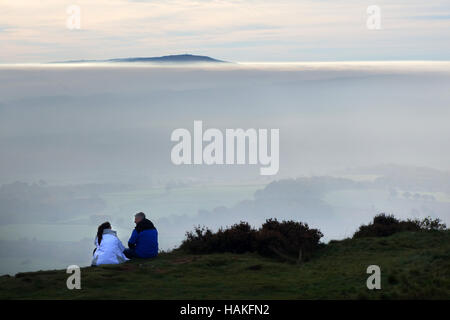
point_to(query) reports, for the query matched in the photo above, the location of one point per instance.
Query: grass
(414, 265)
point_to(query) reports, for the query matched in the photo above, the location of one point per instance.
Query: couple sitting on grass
(143, 243)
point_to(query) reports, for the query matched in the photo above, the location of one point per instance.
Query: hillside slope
(413, 265)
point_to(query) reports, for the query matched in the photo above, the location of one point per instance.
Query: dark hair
(140, 214)
(103, 226)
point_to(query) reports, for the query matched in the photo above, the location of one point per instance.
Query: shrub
(287, 240)
(386, 220)
(201, 240)
(385, 225)
(429, 223)
(238, 238)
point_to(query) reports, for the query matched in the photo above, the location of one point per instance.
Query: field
(414, 265)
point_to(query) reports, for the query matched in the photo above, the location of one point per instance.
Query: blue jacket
(144, 240)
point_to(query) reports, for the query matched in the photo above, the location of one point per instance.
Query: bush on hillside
(238, 238)
(385, 225)
(201, 240)
(429, 223)
(288, 240)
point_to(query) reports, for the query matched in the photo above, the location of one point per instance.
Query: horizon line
(230, 63)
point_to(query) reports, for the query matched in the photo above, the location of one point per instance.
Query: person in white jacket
(108, 248)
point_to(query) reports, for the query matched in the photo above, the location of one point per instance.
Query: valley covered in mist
(86, 144)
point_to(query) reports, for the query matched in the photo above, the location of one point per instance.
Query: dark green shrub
(238, 238)
(385, 225)
(288, 240)
(429, 223)
(201, 240)
(386, 220)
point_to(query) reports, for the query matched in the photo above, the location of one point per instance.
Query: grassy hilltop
(413, 265)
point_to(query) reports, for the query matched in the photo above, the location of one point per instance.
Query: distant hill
(414, 265)
(179, 58)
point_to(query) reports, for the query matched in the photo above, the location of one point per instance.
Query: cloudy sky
(236, 30)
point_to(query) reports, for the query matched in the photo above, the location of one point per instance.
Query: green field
(414, 265)
(178, 201)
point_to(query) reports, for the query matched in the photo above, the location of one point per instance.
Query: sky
(234, 30)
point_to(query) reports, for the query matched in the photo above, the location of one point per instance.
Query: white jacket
(110, 250)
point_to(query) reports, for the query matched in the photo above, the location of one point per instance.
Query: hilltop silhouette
(179, 58)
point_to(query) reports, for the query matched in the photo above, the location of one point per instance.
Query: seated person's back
(108, 247)
(144, 239)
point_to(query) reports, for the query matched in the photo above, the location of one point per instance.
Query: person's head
(101, 228)
(138, 217)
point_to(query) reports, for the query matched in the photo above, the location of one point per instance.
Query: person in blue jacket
(143, 242)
